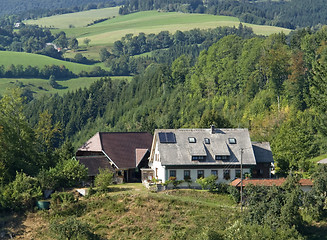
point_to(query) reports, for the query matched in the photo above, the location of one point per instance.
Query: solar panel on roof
(167, 137)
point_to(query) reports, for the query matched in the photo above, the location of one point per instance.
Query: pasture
(78, 19)
(42, 86)
(107, 32)
(20, 58)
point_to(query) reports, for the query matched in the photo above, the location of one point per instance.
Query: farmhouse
(195, 153)
(124, 153)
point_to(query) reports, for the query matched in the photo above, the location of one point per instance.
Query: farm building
(124, 153)
(196, 153)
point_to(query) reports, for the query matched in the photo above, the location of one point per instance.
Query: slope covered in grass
(129, 213)
(78, 19)
(107, 32)
(20, 58)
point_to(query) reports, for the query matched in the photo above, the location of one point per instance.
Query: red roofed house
(125, 153)
(305, 184)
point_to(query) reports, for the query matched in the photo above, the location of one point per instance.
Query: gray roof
(181, 152)
(262, 152)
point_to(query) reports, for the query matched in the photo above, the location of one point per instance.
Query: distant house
(195, 153)
(305, 184)
(122, 152)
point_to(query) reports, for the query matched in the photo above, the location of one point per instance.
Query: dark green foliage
(276, 207)
(277, 13)
(315, 199)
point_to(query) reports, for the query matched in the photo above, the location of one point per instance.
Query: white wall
(207, 172)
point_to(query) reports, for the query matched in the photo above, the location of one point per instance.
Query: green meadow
(42, 86)
(20, 58)
(78, 19)
(107, 32)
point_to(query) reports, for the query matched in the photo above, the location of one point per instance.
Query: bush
(208, 182)
(68, 173)
(21, 194)
(174, 182)
(61, 201)
(103, 179)
(72, 229)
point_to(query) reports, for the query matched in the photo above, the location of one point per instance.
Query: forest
(274, 86)
(21, 9)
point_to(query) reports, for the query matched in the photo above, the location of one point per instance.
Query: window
(207, 141)
(232, 140)
(227, 174)
(192, 140)
(237, 173)
(156, 172)
(198, 158)
(214, 172)
(187, 174)
(221, 157)
(200, 173)
(172, 173)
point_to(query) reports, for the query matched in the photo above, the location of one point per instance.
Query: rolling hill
(107, 32)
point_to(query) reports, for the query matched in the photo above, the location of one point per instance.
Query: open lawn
(42, 86)
(7, 58)
(78, 19)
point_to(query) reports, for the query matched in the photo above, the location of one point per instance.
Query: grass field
(42, 86)
(107, 32)
(7, 58)
(78, 19)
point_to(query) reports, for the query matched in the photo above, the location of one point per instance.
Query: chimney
(212, 129)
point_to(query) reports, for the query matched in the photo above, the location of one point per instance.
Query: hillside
(107, 32)
(78, 19)
(21, 58)
(41, 87)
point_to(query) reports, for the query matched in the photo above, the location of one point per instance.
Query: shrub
(208, 182)
(61, 201)
(103, 179)
(68, 173)
(72, 229)
(21, 194)
(174, 182)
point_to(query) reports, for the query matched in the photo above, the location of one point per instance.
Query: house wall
(159, 170)
(207, 173)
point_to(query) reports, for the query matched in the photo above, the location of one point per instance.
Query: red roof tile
(268, 182)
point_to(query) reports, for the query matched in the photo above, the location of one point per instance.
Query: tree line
(43, 8)
(164, 47)
(289, 14)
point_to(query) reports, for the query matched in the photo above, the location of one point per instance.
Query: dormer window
(192, 140)
(221, 157)
(232, 140)
(207, 141)
(198, 158)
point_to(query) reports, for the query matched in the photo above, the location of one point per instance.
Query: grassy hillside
(107, 32)
(78, 19)
(42, 86)
(7, 58)
(131, 212)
